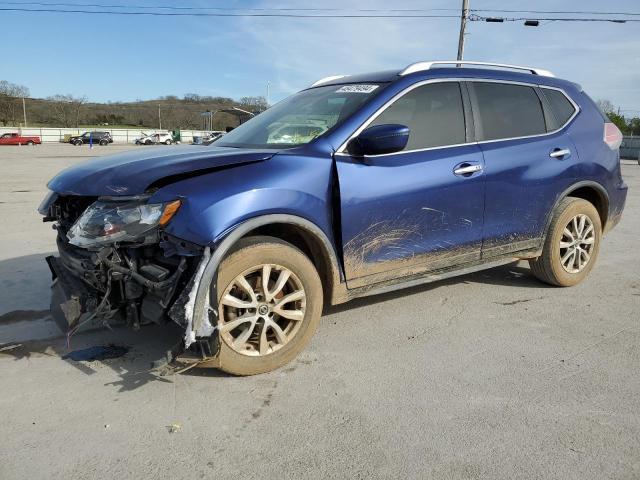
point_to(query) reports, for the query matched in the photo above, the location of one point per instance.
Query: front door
(420, 209)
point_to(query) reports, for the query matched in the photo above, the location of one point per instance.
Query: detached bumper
(70, 297)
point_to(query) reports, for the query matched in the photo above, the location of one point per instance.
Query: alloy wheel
(262, 310)
(577, 243)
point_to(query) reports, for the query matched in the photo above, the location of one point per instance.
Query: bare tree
(66, 108)
(254, 104)
(606, 106)
(10, 95)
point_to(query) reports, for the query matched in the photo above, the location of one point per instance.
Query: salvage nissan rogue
(354, 186)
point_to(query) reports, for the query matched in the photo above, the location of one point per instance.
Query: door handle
(466, 169)
(560, 153)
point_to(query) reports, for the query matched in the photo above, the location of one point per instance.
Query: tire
(249, 258)
(549, 266)
(77, 143)
(30, 143)
(167, 142)
(104, 143)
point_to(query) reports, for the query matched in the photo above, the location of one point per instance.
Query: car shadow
(514, 274)
(25, 283)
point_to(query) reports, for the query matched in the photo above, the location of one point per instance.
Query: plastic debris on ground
(99, 352)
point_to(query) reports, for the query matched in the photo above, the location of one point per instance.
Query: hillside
(67, 111)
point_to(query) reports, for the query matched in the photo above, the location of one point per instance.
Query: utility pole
(463, 26)
(159, 118)
(24, 112)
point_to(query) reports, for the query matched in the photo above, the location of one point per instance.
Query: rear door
(528, 162)
(410, 212)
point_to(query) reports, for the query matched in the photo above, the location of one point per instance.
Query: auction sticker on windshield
(357, 89)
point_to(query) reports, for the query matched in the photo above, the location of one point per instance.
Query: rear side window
(433, 112)
(562, 108)
(508, 111)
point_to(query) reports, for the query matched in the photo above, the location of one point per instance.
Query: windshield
(300, 118)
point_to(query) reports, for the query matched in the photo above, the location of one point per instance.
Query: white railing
(119, 135)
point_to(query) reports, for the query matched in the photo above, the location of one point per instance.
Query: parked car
(415, 175)
(207, 138)
(154, 139)
(98, 138)
(17, 139)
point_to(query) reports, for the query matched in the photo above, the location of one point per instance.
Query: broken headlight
(106, 222)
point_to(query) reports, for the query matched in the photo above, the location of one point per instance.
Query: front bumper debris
(70, 297)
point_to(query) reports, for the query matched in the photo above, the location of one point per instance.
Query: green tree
(611, 111)
(634, 126)
(619, 121)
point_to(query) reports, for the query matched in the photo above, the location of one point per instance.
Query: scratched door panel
(523, 183)
(523, 177)
(408, 212)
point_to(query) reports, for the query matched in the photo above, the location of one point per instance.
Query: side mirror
(380, 139)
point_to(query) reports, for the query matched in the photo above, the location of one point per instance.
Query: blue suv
(354, 186)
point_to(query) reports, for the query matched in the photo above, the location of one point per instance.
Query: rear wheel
(270, 303)
(572, 244)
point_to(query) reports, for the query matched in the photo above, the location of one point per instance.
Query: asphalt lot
(490, 375)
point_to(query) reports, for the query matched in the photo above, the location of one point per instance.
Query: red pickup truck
(16, 139)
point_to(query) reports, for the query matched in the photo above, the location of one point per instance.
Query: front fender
(216, 202)
(206, 225)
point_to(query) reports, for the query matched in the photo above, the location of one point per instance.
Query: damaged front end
(116, 264)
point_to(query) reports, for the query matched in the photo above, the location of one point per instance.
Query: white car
(155, 139)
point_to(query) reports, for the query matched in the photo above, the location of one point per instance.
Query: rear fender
(567, 192)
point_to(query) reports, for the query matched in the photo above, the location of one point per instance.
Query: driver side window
(434, 113)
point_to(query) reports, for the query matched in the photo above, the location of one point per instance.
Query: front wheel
(30, 143)
(167, 142)
(572, 244)
(270, 303)
(104, 143)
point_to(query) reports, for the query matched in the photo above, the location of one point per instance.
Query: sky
(124, 58)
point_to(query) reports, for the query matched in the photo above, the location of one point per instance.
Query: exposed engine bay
(115, 263)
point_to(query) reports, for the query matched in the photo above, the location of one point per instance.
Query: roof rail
(326, 79)
(422, 66)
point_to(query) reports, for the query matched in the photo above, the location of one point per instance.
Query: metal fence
(119, 135)
(630, 148)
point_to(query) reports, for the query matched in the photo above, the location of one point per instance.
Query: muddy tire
(572, 244)
(264, 324)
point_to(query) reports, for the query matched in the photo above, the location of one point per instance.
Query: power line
(209, 14)
(309, 9)
(556, 12)
(173, 7)
(480, 18)
(473, 17)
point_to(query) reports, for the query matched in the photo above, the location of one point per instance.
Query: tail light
(612, 136)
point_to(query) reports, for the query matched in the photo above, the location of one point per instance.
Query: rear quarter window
(561, 107)
(508, 111)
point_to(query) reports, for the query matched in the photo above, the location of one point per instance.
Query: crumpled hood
(132, 172)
